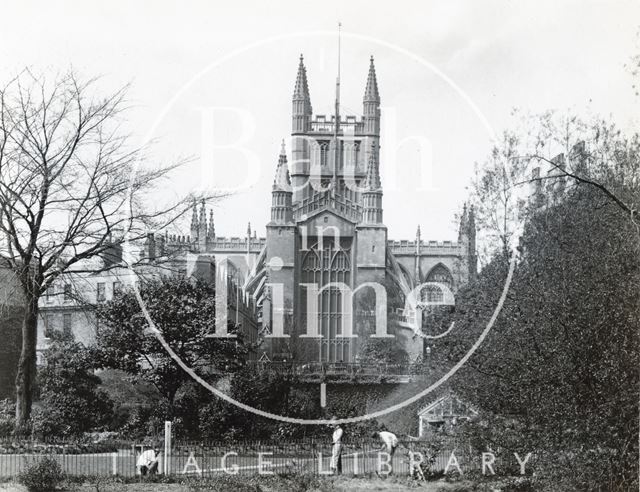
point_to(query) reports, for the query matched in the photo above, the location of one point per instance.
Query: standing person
(148, 461)
(336, 450)
(389, 444)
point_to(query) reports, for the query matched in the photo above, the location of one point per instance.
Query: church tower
(313, 283)
(327, 220)
(280, 255)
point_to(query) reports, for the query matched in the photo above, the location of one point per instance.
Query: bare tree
(575, 151)
(499, 204)
(599, 155)
(71, 187)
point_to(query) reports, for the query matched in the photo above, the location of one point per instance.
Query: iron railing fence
(209, 458)
(334, 368)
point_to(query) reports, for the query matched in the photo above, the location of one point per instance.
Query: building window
(67, 292)
(329, 265)
(101, 294)
(438, 275)
(66, 324)
(48, 325)
(324, 154)
(117, 288)
(51, 291)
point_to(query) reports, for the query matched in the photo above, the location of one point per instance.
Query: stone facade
(68, 306)
(326, 228)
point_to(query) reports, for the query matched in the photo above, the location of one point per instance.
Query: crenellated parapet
(236, 244)
(435, 248)
(548, 188)
(349, 125)
(212, 245)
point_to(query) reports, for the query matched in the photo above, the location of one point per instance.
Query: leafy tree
(558, 373)
(589, 153)
(382, 351)
(183, 310)
(71, 402)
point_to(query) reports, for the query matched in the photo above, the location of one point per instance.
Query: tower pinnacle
(302, 110)
(212, 229)
(371, 104)
(194, 215)
(282, 180)
(372, 179)
(194, 221)
(301, 90)
(281, 206)
(371, 93)
(372, 194)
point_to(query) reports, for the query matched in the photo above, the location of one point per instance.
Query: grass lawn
(341, 484)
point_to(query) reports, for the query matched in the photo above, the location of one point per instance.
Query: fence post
(114, 463)
(167, 447)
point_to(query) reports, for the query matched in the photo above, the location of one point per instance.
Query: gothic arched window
(330, 264)
(324, 154)
(433, 293)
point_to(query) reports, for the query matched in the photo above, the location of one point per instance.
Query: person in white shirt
(389, 444)
(336, 450)
(148, 462)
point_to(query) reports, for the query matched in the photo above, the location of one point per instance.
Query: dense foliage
(71, 401)
(183, 311)
(558, 374)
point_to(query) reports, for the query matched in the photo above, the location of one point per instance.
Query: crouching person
(148, 462)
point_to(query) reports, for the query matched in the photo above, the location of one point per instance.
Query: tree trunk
(27, 364)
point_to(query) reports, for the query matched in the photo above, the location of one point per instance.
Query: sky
(212, 81)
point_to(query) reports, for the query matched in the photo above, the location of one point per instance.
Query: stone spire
(249, 229)
(282, 180)
(372, 179)
(202, 227)
(212, 228)
(302, 110)
(371, 102)
(464, 221)
(467, 238)
(371, 93)
(372, 194)
(281, 194)
(301, 90)
(202, 221)
(194, 221)
(472, 219)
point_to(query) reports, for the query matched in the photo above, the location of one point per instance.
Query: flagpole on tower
(337, 111)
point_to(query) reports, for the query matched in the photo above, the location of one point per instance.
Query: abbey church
(327, 233)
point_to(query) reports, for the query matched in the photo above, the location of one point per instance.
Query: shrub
(7, 417)
(71, 401)
(44, 475)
